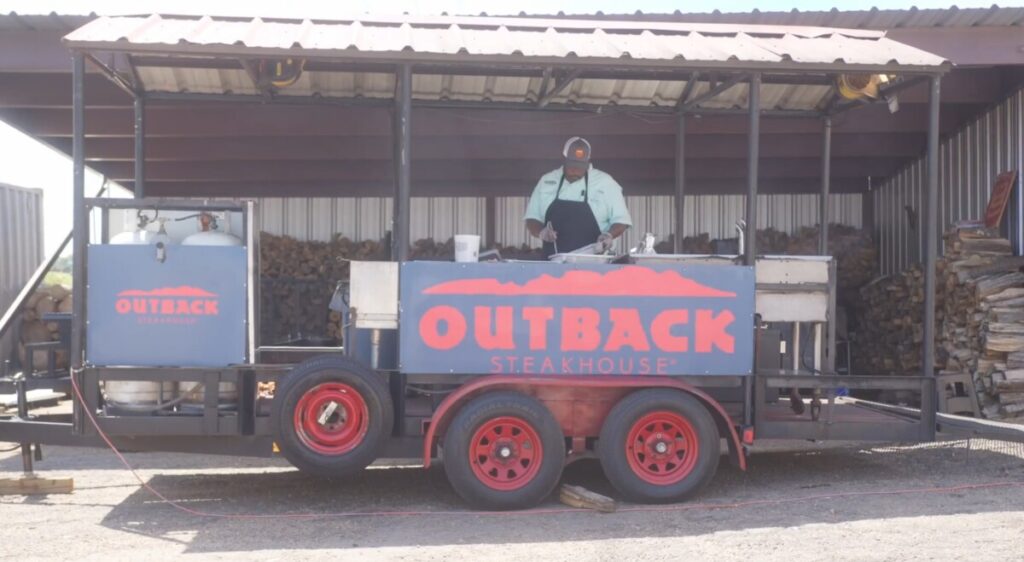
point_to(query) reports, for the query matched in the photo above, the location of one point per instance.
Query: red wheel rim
(662, 448)
(331, 418)
(505, 453)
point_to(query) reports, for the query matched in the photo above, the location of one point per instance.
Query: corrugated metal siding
(442, 217)
(21, 245)
(968, 164)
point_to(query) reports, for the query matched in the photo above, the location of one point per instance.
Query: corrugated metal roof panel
(506, 37)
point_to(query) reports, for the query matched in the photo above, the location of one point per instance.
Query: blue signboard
(567, 319)
(186, 311)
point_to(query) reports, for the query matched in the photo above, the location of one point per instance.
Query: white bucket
(467, 247)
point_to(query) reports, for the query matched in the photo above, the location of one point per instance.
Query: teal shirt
(605, 197)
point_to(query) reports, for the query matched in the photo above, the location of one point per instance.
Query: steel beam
(403, 163)
(559, 87)
(931, 245)
(753, 155)
(363, 148)
(80, 233)
(680, 181)
(826, 177)
(712, 93)
(253, 120)
(140, 147)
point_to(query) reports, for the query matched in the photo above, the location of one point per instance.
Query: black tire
(642, 480)
(375, 420)
(508, 411)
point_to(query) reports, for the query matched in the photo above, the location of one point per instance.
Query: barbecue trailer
(506, 370)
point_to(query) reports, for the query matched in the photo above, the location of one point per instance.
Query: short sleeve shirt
(605, 197)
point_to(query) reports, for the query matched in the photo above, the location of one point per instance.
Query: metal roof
(874, 18)
(511, 40)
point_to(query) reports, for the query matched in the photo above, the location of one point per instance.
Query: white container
(467, 247)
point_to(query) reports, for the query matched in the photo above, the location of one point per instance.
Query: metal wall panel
(968, 164)
(440, 218)
(21, 246)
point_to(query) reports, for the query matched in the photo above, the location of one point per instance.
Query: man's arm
(617, 229)
(534, 226)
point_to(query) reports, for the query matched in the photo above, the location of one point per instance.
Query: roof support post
(140, 146)
(753, 153)
(680, 192)
(80, 231)
(750, 234)
(928, 403)
(403, 164)
(826, 173)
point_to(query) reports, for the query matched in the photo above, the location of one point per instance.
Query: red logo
(629, 281)
(603, 322)
(167, 305)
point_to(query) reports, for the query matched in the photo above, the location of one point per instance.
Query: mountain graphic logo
(184, 291)
(629, 281)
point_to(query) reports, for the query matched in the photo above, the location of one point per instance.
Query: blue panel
(547, 318)
(187, 311)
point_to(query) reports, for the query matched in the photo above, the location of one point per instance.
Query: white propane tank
(141, 396)
(143, 236)
(194, 396)
(209, 235)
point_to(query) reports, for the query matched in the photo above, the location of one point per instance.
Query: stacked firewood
(979, 319)
(297, 281)
(53, 298)
(984, 311)
(889, 332)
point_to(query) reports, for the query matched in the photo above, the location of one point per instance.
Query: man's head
(577, 158)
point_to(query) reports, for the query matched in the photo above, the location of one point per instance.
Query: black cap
(577, 154)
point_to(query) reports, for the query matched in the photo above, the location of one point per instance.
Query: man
(577, 205)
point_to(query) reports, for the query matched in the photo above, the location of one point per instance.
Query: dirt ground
(798, 502)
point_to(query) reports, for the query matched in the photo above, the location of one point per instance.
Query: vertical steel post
(680, 192)
(403, 163)
(79, 230)
(931, 248)
(753, 153)
(140, 146)
(826, 173)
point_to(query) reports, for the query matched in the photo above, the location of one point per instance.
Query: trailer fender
(450, 405)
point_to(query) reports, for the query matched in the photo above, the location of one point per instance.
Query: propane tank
(142, 235)
(210, 235)
(141, 396)
(194, 394)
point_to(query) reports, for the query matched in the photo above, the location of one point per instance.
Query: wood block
(34, 485)
(578, 496)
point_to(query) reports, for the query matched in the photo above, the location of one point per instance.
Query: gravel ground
(110, 517)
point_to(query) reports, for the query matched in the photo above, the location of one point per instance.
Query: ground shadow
(798, 481)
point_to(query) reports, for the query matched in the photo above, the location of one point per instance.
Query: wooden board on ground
(34, 485)
(578, 496)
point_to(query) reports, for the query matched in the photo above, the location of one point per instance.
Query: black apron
(574, 221)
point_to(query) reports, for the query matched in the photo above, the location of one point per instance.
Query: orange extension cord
(539, 511)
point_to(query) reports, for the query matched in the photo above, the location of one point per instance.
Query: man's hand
(548, 233)
(604, 243)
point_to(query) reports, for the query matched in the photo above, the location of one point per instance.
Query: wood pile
(979, 319)
(297, 280)
(54, 298)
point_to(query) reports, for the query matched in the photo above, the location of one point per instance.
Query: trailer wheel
(658, 446)
(332, 415)
(503, 450)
